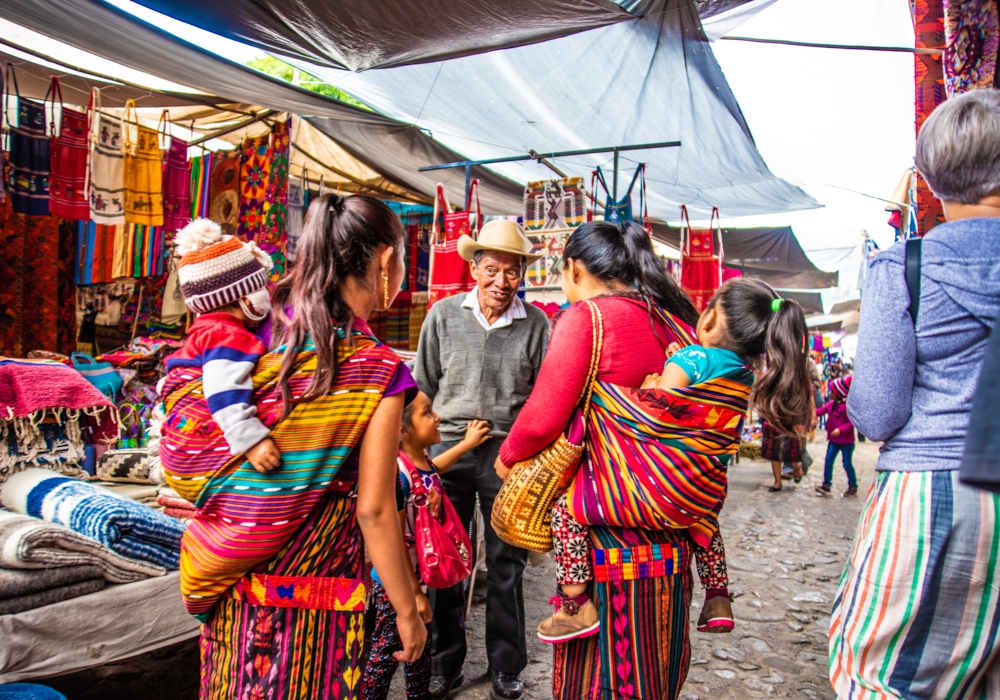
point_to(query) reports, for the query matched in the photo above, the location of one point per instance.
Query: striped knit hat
(216, 270)
(841, 387)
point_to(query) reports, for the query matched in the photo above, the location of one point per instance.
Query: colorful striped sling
(245, 518)
(652, 458)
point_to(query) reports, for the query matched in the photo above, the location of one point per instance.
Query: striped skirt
(642, 651)
(917, 612)
(260, 644)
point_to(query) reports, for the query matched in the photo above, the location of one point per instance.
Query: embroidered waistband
(648, 561)
(308, 592)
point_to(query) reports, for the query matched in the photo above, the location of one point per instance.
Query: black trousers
(506, 648)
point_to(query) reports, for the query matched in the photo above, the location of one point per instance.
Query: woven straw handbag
(522, 511)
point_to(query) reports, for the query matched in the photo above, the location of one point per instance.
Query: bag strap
(597, 318)
(474, 186)
(685, 231)
(10, 78)
(126, 125)
(417, 487)
(55, 90)
(440, 206)
(914, 253)
(715, 223)
(82, 358)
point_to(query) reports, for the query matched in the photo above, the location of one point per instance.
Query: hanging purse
(444, 552)
(701, 269)
(522, 511)
(449, 273)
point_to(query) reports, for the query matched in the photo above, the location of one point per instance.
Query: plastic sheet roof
(652, 79)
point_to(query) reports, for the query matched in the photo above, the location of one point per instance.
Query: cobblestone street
(786, 553)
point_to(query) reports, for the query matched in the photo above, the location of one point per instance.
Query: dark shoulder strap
(914, 248)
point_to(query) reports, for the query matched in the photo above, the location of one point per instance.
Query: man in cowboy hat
(478, 358)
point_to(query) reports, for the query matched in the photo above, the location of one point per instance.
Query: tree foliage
(279, 69)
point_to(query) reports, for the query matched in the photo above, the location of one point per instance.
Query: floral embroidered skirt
(643, 592)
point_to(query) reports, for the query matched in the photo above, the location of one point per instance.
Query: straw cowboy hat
(500, 236)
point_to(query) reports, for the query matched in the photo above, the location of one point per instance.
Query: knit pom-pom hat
(216, 270)
(841, 387)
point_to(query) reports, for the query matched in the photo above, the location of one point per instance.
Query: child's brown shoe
(716, 616)
(571, 620)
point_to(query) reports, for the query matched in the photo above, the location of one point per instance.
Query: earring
(385, 287)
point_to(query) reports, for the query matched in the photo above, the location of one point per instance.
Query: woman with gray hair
(917, 612)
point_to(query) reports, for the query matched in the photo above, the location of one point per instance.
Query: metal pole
(468, 191)
(614, 187)
(222, 132)
(557, 154)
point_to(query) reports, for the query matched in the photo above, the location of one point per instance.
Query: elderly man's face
(498, 276)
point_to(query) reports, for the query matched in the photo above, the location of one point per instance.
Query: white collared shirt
(513, 312)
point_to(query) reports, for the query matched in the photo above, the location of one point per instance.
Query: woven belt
(648, 561)
(307, 592)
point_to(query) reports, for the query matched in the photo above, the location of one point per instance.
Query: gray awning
(769, 254)
(362, 34)
(649, 80)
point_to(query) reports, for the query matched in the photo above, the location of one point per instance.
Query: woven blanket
(244, 517)
(129, 465)
(40, 599)
(129, 528)
(30, 543)
(31, 390)
(18, 582)
(55, 447)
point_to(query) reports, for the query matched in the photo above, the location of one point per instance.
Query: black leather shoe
(506, 686)
(442, 685)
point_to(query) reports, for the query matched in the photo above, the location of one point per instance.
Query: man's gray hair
(958, 150)
(477, 258)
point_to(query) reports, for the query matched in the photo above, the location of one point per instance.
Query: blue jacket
(913, 389)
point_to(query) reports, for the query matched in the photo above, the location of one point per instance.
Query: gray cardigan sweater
(913, 387)
(471, 373)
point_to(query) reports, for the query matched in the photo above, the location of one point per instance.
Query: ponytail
(764, 328)
(340, 239)
(624, 254)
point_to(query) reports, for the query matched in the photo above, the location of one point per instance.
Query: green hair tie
(776, 304)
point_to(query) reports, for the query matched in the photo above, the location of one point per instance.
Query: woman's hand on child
(650, 381)
(836, 432)
(413, 635)
(264, 456)
(672, 348)
(424, 608)
(476, 433)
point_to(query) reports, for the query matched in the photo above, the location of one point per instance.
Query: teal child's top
(701, 364)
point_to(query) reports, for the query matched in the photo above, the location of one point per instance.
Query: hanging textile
(95, 253)
(225, 191)
(972, 37)
(701, 268)
(273, 235)
(255, 168)
(140, 251)
(928, 26)
(176, 183)
(296, 214)
(29, 152)
(68, 182)
(554, 205)
(418, 312)
(397, 322)
(143, 173)
(37, 293)
(201, 178)
(547, 270)
(450, 274)
(619, 211)
(107, 166)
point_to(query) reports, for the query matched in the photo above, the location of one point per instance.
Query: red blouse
(630, 351)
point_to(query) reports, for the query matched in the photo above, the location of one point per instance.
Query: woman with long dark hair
(642, 648)
(273, 562)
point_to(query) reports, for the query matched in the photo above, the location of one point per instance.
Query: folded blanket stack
(26, 590)
(30, 543)
(47, 412)
(129, 528)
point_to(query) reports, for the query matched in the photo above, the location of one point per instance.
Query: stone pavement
(786, 554)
